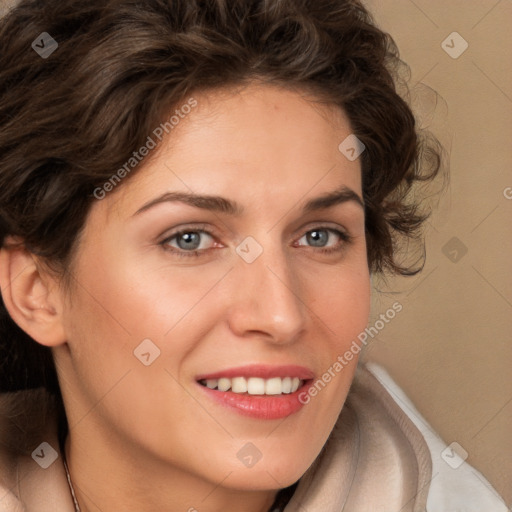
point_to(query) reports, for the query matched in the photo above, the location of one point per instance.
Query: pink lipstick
(258, 391)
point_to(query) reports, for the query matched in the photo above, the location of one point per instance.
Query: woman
(194, 196)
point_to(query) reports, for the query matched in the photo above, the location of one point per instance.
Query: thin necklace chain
(71, 489)
(77, 506)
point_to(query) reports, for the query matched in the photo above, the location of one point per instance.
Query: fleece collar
(374, 460)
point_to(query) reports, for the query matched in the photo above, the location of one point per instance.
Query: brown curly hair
(69, 120)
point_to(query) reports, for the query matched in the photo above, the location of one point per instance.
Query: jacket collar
(374, 456)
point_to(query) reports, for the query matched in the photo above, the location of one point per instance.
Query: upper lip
(261, 371)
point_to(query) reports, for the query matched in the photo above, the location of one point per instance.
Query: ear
(31, 295)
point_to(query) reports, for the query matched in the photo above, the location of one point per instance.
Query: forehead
(260, 143)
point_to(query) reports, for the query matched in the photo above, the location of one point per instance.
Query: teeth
(239, 385)
(224, 384)
(211, 383)
(255, 385)
(273, 386)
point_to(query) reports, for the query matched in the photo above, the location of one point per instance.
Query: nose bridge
(268, 297)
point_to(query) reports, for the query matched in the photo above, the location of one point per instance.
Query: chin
(266, 477)
(275, 469)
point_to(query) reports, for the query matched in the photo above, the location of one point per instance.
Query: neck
(104, 479)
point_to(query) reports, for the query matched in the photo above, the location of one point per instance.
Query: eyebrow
(222, 205)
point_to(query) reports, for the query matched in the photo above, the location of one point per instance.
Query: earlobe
(29, 297)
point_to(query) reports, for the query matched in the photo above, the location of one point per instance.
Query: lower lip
(266, 407)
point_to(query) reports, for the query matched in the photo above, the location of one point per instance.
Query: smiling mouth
(255, 385)
(262, 392)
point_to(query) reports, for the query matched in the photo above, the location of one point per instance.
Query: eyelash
(345, 239)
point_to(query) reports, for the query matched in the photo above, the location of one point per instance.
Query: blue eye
(188, 242)
(318, 237)
(322, 238)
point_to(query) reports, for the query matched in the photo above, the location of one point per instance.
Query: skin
(147, 438)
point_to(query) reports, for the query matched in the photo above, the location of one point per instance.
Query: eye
(189, 241)
(324, 238)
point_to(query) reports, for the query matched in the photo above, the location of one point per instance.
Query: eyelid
(170, 233)
(327, 225)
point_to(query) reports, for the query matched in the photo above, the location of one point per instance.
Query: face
(196, 325)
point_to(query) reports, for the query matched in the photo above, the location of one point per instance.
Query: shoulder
(455, 485)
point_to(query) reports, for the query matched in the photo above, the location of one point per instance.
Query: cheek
(348, 308)
(341, 301)
(341, 298)
(139, 299)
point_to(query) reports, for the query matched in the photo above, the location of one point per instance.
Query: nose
(265, 299)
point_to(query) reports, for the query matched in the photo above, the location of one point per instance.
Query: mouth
(261, 392)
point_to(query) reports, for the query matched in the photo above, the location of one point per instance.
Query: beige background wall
(451, 346)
